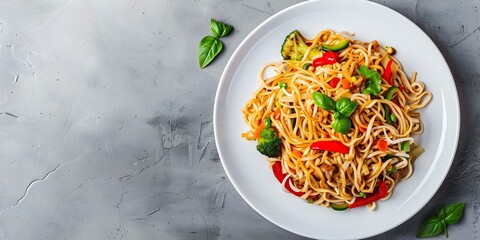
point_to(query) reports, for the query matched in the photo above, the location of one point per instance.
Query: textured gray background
(106, 119)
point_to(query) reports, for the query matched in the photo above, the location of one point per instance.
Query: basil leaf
(220, 29)
(337, 115)
(431, 227)
(437, 223)
(444, 226)
(346, 107)
(208, 49)
(342, 124)
(441, 214)
(453, 212)
(323, 101)
(373, 85)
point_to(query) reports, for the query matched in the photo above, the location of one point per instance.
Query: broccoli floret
(269, 143)
(294, 47)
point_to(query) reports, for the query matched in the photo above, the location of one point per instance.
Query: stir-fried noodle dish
(336, 119)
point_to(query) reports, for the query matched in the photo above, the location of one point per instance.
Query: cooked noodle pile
(327, 177)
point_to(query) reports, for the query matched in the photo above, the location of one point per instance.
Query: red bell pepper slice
(334, 81)
(327, 58)
(388, 72)
(381, 193)
(277, 171)
(334, 146)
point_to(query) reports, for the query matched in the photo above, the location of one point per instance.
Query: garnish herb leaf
(323, 101)
(453, 212)
(342, 124)
(431, 227)
(210, 46)
(208, 49)
(346, 107)
(220, 29)
(337, 115)
(373, 85)
(437, 223)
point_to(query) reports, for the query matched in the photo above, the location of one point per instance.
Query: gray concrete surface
(106, 119)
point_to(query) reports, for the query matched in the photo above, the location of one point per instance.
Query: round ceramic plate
(249, 171)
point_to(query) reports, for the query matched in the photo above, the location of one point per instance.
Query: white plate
(248, 170)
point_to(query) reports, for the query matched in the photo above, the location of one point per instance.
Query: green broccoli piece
(269, 143)
(294, 47)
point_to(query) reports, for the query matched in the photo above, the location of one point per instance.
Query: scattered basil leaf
(208, 49)
(444, 226)
(220, 29)
(345, 106)
(373, 85)
(454, 212)
(437, 223)
(323, 101)
(431, 227)
(342, 124)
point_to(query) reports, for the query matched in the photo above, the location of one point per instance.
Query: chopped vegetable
(332, 145)
(334, 82)
(390, 92)
(278, 104)
(393, 118)
(258, 130)
(390, 50)
(339, 206)
(388, 156)
(345, 83)
(294, 47)
(337, 47)
(268, 143)
(388, 72)
(379, 194)
(382, 144)
(362, 194)
(390, 117)
(373, 85)
(405, 146)
(282, 85)
(268, 122)
(416, 152)
(392, 170)
(325, 59)
(277, 114)
(388, 114)
(280, 176)
(306, 65)
(297, 153)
